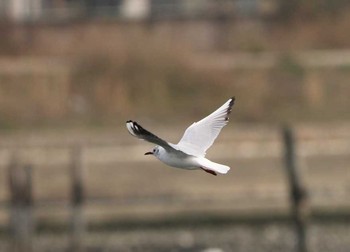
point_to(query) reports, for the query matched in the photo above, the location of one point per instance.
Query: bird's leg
(209, 171)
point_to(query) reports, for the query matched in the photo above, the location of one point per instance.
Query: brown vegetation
(111, 71)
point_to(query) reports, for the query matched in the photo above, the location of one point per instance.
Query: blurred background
(73, 71)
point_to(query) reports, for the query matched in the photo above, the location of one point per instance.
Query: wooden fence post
(297, 192)
(77, 200)
(21, 203)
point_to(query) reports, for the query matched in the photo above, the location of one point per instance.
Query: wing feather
(136, 130)
(202, 134)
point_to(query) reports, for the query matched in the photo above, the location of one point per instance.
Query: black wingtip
(233, 98)
(229, 108)
(230, 105)
(130, 126)
(136, 128)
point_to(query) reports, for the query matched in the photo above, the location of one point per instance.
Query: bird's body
(190, 152)
(177, 159)
(171, 159)
(180, 159)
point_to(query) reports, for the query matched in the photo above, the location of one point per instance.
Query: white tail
(209, 165)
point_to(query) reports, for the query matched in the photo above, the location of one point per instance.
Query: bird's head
(154, 152)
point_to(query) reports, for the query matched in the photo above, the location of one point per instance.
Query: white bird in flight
(190, 152)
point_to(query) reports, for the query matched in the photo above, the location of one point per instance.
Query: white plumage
(190, 151)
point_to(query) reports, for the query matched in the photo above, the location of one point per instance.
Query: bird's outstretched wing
(136, 130)
(201, 135)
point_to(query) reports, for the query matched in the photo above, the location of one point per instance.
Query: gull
(190, 152)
